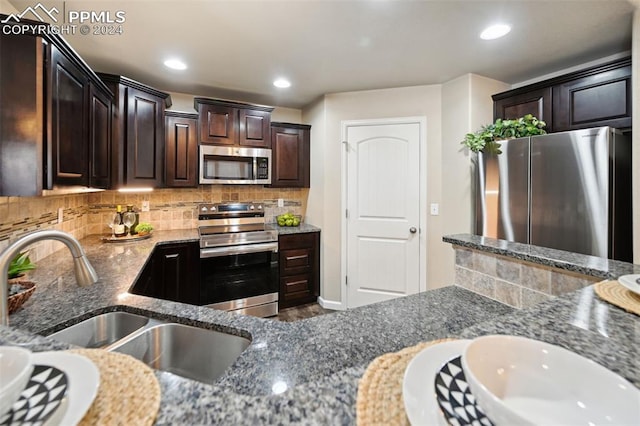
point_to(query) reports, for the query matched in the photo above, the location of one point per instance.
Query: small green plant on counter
(20, 264)
(144, 228)
(486, 139)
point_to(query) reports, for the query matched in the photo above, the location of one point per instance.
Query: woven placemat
(129, 393)
(379, 399)
(616, 294)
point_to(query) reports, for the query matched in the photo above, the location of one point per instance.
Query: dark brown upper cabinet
(291, 163)
(181, 149)
(233, 123)
(68, 120)
(50, 128)
(593, 97)
(138, 139)
(536, 102)
(100, 113)
(596, 99)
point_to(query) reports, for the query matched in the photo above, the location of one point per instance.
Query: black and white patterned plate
(455, 399)
(40, 399)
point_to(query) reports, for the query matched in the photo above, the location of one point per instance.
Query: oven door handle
(242, 249)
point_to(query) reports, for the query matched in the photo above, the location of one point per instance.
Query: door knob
(413, 230)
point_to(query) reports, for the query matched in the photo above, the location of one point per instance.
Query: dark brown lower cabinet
(299, 269)
(172, 273)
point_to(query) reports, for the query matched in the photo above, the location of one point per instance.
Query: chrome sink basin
(187, 351)
(102, 330)
(191, 352)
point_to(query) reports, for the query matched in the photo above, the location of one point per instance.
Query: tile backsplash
(516, 283)
(86, 214)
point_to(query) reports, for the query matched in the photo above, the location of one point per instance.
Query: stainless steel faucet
(85, 274)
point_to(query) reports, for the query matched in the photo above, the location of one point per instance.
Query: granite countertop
(303, 228)
(575, 262)
(315, 363)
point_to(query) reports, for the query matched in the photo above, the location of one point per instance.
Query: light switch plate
(145, 206)
(280, 202)
(435, 209)
(60, 215)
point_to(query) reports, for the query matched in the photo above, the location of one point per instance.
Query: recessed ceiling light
(175, 64)
(282, 83)
(495, 31)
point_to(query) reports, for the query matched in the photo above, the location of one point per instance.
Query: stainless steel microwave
(234, 165)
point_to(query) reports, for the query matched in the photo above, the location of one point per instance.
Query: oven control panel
(229, 210)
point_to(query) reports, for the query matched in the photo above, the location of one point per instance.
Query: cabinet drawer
(296, 286)
(296, 260)
(296, 241)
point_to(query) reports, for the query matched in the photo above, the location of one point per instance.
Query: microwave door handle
(243, 249)
(255, 169)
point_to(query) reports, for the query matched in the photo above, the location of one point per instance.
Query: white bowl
(519, 381)
(15, 370)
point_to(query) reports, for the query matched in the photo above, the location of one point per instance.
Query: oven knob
(213, 208)
(251, 207)
(260, 207)
(204, 208)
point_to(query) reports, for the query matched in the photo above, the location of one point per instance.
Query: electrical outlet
(435, 209)
(60, 215)
(145, 206)
(280, 202)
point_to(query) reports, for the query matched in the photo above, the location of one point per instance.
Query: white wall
(466, 106)
(7, 8)
(315, 115)
(184, 102)
(324, 208)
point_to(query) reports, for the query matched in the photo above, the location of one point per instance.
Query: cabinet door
(100, 109)
(218, 124)
(68, 149)
(536, 102)
(602, 99)
(299, 261)
(181, 150)
(172, 273)
(145, 139)
(290, 157)
(254, 128)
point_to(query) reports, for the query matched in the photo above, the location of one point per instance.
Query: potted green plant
(486, 139)
(144, 228)
(20, 264)
(20, 289)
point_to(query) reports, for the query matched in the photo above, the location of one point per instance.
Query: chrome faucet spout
(84, 272)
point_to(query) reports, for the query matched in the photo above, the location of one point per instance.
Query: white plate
(629, 281)
(418, 392)
(83, 378)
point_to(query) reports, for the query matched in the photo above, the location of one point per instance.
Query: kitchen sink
(187, 351)
(102, 330)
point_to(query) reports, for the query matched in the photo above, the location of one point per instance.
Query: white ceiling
(235, 49)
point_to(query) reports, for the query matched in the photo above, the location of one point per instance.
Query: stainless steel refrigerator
(569, 191)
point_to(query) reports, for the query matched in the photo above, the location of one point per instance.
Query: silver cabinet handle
(413, 230)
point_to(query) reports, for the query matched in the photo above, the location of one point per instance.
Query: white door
(383, 217)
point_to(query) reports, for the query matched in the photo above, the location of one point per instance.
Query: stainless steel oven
(234, 165)
(238, 259)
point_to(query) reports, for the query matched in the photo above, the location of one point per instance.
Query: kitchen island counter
(307, 371)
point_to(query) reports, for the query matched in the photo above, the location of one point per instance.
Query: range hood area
(568, 191)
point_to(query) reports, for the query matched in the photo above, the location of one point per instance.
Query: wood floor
(301, 312)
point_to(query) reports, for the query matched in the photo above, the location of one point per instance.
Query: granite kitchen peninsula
(308, 371)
